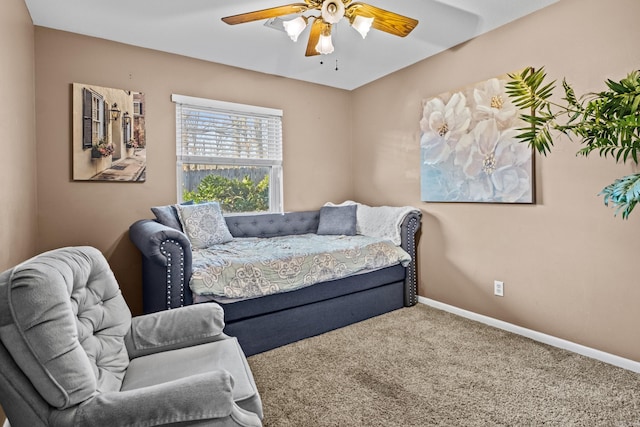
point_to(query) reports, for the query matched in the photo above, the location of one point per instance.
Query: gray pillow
(338, 220)
(168, 215)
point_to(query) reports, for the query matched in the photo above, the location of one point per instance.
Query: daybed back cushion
(338, 220)
(68, 325)
(272, 225)
(254, 225)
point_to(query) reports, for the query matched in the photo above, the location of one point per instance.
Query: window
(137, 107)
(94, 118)
(126, 128)
(230, 153)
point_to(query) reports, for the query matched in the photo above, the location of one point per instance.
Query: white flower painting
(468, 147)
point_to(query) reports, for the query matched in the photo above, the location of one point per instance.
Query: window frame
(275, 164)
(94, 109)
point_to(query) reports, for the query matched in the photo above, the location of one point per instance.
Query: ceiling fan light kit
(325, 45)
(295, 27)
(362, 17)
(361, 24)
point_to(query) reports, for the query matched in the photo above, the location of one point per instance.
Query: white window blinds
(210, 132)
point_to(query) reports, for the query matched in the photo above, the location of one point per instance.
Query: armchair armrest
(166, 263)
(195, 400)
(172, 329)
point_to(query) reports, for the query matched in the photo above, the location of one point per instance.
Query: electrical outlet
(498, 288)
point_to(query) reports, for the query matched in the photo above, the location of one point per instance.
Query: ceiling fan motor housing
(332, 11)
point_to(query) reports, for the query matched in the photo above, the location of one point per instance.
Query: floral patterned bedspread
(251, 267)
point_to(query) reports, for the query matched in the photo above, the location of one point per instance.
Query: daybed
(265, 322)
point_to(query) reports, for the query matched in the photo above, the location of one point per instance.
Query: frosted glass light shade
(362, 25)
(324, 46)
(295, 27)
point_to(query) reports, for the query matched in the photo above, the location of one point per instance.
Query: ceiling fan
(361, 16)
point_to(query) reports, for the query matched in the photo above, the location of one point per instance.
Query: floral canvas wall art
(468, 148)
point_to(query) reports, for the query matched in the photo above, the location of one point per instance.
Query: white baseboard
(609, 358)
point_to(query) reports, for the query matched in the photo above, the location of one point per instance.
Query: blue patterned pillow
(204, 224)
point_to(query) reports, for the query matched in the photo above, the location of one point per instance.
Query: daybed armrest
(172, 329)
(166, 263)
(194, 401)
(149, 235)
(408, 232)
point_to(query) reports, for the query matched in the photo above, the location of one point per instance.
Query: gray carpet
(421, 366)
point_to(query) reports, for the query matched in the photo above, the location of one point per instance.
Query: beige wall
(17, 135)
(316, 162)
(570, 268)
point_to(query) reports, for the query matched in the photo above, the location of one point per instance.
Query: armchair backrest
(62, 323)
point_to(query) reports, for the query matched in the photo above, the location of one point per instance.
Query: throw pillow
(204, 224)
(338, 220)
(168, 215)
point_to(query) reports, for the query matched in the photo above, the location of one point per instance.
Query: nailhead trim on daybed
(167, 253)
(412, 228)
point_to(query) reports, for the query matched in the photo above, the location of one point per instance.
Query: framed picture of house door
(109, 139)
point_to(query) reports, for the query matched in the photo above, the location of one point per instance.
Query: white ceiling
(193, 28)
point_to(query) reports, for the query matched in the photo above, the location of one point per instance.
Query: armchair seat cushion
(167, 366)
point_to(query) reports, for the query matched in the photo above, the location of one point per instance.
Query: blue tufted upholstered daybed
(267, 322)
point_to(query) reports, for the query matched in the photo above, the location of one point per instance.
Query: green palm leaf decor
(607, 122)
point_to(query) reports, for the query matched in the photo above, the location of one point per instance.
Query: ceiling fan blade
(266, 13)
(384, 20)
(314, 36)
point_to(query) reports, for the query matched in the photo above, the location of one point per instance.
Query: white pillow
(204, 224)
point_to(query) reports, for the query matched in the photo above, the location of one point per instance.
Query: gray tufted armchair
(72, 355)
